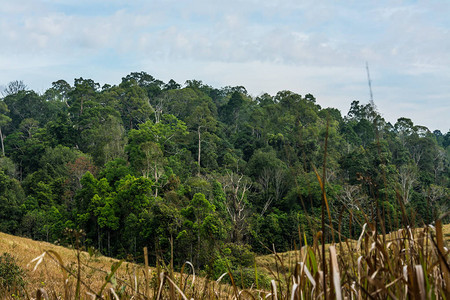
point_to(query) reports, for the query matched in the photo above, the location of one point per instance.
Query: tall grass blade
(358, 244)
(441, 256)
(309, 276)
(420, 281)
(312, 258)
(295, 286)
(193, 272)
(335, 272)
(56, 256)
(274, 290)
(220, 277)
(161, 283)
(322, 186)
(176, 287)
(256, 276)
(147, 281)
(236, 293)
(112, 294)
(359, 262)
(111, 274)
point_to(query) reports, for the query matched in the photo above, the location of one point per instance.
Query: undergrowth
(411, 263)
(12, 276)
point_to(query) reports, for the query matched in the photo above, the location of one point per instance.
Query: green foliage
(12, 277)
(202, 170)
(237, 259)
(7, 166)
(115, 170)
(11, 198)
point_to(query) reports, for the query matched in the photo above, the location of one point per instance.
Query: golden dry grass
(49, 275)
(269, 263)
(129, 277)
(282, 267)
(408, 263)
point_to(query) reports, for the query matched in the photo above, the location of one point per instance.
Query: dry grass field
(129, 281)
(269, 262)
(49, 274)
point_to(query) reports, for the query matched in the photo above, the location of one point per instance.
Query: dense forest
(209, 175)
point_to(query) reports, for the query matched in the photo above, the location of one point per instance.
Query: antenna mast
(370, 85)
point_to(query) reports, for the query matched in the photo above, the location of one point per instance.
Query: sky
(317, 47)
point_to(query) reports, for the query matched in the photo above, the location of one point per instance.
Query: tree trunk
(109, 244)
(3, 146)
(171, 254)
(199, 149)
(98, 238)
(156, 180)
(81, 106)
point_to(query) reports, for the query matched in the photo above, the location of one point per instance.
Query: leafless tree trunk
(81, 105)
(235, 188)
(416, 153)
(273, 186)
(14, 87)
(264, 181)
(438, 162)
(109, 242)
(279, 183)
(353, 198)
(199, 148)
(154, 162)
(407, 177)
(1, 139)
(157, 173)
(159, 107)
(434, 193)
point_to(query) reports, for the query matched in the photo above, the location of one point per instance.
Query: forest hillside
(209, 175)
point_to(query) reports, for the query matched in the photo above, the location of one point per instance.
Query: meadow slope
(94, 268)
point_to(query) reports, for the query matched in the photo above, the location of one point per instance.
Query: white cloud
(267, 46)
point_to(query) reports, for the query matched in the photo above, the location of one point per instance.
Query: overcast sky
(318, 47)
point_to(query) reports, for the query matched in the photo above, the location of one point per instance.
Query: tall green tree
(11, 198)
(4, 119)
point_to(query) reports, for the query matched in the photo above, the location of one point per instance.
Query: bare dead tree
(279, 183)
(153, 163)
(4, 119)
(28, 126)
(438, 162)
(434, 193)
(272, 185)
(407, 178)
(14, 87)
(160, 106)
(264, 181)
(235, 187)
(417, 151)
(353, 197)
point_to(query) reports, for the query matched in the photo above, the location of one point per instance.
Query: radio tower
(370, 86)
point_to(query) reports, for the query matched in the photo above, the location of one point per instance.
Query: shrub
(11, 275)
